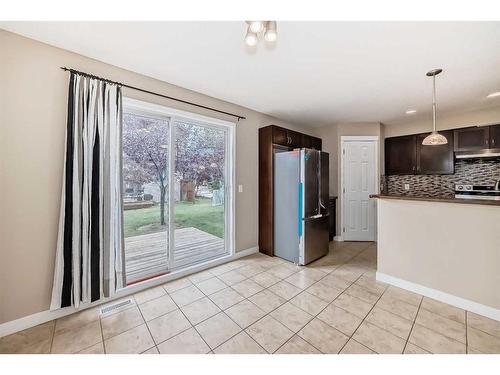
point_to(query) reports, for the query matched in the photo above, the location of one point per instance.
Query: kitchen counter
(443, 199)
(441, 249)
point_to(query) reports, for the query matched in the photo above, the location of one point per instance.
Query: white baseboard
(338, 238)
(480, 309)
(29, 321)
(246, 252)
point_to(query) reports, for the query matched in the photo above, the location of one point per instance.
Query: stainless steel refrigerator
(300, 205)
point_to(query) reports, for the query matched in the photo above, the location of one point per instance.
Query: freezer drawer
(315, 239)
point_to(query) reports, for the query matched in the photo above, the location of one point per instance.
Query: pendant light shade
(434, 139)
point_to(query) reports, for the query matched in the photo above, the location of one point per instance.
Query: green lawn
(201, 215)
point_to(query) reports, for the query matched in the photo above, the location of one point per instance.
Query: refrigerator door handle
(318, 175)
(299, 215)
(311, 218)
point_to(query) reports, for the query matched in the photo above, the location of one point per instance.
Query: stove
(477, 192)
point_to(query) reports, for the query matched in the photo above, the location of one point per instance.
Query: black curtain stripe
(95, 249)
(68, 204)
(83, 104)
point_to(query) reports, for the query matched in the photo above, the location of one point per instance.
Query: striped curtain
(90, 251)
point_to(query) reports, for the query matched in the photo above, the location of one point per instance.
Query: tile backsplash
(475, 172)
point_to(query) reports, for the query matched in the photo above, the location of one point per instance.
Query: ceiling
(317, 73)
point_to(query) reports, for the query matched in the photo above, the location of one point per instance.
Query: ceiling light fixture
(434, 139)
(259, 29)
(411, 111)
(271, 31)
(494, 94)
(256, 26)
(251, 38)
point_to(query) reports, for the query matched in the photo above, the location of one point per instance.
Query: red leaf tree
(199, 154)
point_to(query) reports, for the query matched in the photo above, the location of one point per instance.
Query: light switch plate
(407, 186)
(240, 188)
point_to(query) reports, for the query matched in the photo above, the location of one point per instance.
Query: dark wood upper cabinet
(306, 140)
(471, 139)
(435, 159)
(295, 139)
(407, 155)
(309, 141)
(316, 143)
(495, 136)
(280, 136)
(400, 155)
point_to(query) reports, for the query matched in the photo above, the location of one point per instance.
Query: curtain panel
(90, 250)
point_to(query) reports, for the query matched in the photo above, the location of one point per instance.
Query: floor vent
(117, 306)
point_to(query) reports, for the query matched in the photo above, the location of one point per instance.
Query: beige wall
(450, 247)
(330, 144)
(445, 121)
(331, 136)
(33, 97)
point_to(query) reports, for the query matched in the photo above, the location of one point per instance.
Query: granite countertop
(485, 202)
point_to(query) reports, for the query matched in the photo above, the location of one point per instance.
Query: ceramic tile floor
(260, 304)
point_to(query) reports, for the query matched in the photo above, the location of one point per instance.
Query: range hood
(477, 154)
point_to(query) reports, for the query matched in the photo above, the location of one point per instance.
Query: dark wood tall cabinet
(274, 139)
(332, 219)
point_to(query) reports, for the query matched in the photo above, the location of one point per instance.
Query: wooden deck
(146, 255)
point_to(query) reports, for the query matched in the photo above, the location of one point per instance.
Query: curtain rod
(239, 117)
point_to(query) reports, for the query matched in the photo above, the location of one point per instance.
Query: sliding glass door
(199, 180)
(177, 191)
(146, 178)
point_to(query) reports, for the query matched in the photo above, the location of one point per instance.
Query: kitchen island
(444, 248)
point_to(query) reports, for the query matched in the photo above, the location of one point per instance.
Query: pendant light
(434, 139)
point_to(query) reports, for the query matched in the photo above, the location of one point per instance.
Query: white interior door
(359, 181)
